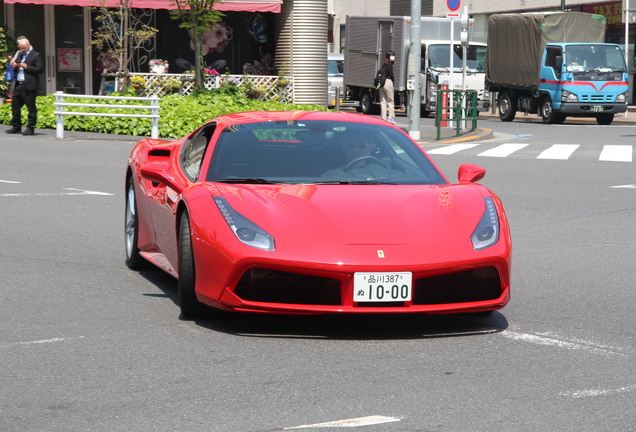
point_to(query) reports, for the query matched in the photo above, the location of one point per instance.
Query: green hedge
(180, 115)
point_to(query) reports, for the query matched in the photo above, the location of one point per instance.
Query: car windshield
(594, 58)
(439, 58)
(319, 152)
(335, 68)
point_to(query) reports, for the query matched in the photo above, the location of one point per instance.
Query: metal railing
(454, 109)
(60, 111)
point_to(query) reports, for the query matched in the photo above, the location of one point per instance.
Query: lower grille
(272, 286)
(467, 286)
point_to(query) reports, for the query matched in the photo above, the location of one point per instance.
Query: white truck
(368, 39)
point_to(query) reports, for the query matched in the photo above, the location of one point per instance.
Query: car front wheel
(190, 307)
(131, 230)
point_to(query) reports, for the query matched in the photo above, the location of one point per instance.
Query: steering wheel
(361, 158)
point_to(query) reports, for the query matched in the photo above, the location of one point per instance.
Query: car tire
(507, 107)
(605, 119)
(134, 261)
(190, 307)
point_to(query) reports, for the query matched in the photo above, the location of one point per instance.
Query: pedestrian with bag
(387, 104)
(27, 64)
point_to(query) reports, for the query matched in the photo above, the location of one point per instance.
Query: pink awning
(225, 6)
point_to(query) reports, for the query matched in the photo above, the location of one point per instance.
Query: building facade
(255, 37)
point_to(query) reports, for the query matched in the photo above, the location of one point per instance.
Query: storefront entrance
(60, 34)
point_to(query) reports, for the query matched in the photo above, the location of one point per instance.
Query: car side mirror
(159, 172)
(469, 173)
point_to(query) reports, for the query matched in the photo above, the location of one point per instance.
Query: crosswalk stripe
(451, 149)
(616, 153)
(559, 151)
(503, 150)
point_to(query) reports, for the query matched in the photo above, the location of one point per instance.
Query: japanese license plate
(596, 108)
(382, 287)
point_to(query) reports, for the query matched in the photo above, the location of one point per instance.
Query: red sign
(453, 4)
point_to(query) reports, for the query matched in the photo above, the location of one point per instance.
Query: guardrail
(454, 108)
(60, 111)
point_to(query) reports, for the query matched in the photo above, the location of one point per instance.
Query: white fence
(264, 87)
(60, 111)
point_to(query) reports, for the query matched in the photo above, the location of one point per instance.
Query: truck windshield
(439, 58)
(594, 58)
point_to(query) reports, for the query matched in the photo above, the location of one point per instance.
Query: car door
(165, 204)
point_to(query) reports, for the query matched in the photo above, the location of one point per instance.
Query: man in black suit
(27, 65)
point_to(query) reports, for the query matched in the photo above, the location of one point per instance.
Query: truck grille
(595, 98)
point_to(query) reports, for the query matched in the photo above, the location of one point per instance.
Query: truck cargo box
(516, 42)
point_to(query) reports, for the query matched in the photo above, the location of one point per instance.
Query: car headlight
(245, 230)
(621, 98)
(566, 96)
(487, 232)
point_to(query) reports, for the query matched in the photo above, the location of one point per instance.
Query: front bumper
(588, 109)
(266, 290)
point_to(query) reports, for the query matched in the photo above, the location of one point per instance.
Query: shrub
(180, 115)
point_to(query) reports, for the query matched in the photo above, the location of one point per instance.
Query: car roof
(266, 116)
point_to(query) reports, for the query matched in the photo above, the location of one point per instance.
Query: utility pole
(414, 77)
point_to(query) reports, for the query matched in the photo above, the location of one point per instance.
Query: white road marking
(350, 423)
(38, 342)
(9, 181)
(74, 192)
(549, 339)
(616, 153)
(598, 392)
(559, 151)
(632, 186)
(503, 150)
(451, 149)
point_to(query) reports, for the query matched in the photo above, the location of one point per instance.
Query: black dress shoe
(28, 131)
(13, 130)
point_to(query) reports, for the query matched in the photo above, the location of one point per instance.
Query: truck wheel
(365, 103)
(507, 108)
(605, 119)
(547, 113)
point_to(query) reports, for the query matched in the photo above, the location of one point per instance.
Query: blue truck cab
(582, 80)
(556, 65)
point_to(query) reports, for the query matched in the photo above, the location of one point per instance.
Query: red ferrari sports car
(314, 212)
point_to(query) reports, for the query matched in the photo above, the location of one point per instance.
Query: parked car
(335, 71)
(314, 212)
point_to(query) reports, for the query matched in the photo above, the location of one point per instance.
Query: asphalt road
(88, 345)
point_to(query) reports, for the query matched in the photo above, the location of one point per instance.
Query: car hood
(336, 216)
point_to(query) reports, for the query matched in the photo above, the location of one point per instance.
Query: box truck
(369, 38)
(555, 65)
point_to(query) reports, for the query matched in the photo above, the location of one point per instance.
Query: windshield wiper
(248, 180)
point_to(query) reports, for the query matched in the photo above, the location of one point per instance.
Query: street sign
(453, 5)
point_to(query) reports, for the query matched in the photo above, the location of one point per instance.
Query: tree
(120, 33)
(197, 16)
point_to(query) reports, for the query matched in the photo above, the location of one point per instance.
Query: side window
(193, 151)
(551, 57)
